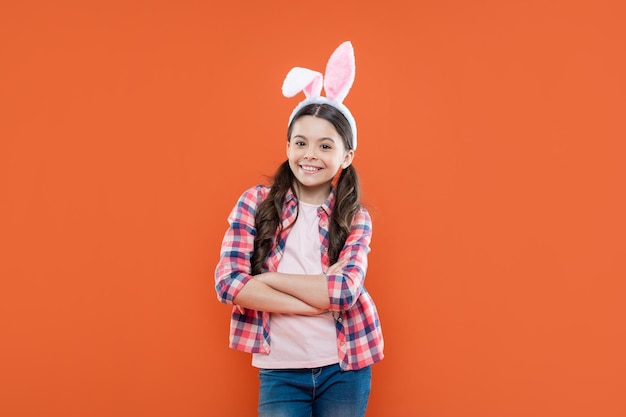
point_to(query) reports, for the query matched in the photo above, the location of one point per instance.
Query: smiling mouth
(309, 168)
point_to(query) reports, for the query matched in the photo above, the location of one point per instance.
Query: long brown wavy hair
(347, 201)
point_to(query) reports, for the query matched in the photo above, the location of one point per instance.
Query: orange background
(491, 151)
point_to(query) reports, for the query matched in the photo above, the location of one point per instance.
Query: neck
(312, 195)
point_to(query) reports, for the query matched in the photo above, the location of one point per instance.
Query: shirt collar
(291, 198)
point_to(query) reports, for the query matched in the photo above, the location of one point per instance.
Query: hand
(337, 268)
(315, 311)
(263, 277)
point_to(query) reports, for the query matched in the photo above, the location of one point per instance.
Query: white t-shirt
(301, 341)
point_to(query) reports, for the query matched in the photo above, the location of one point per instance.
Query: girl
(294, 259)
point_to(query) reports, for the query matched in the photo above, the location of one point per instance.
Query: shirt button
(340, 319)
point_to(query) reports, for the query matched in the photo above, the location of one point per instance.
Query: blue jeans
(319, 392)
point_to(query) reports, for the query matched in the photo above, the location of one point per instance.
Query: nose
(310, 153)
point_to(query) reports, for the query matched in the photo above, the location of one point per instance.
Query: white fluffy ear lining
(340, 72)
(302, 79)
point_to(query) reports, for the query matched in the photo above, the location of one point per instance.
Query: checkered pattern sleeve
(233, 269)
(344, 289)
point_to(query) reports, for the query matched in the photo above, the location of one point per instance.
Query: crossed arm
(336, 290)
(287, 293)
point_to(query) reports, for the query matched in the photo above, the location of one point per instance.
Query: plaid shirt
(359, 337)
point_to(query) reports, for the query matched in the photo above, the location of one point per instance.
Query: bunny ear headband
(337, 82)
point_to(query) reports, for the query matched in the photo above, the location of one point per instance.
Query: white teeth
(310, 169)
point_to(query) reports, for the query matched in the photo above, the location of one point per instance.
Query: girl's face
(316, 152)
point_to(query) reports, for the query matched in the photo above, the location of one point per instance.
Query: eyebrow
(319, 140)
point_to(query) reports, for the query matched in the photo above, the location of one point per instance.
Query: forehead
(311, 127)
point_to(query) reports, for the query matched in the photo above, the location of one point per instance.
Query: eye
(299, 143)
(325, 146)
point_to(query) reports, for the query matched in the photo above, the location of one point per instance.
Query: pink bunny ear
(302, 79)
(337, 82)
(340, 72)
